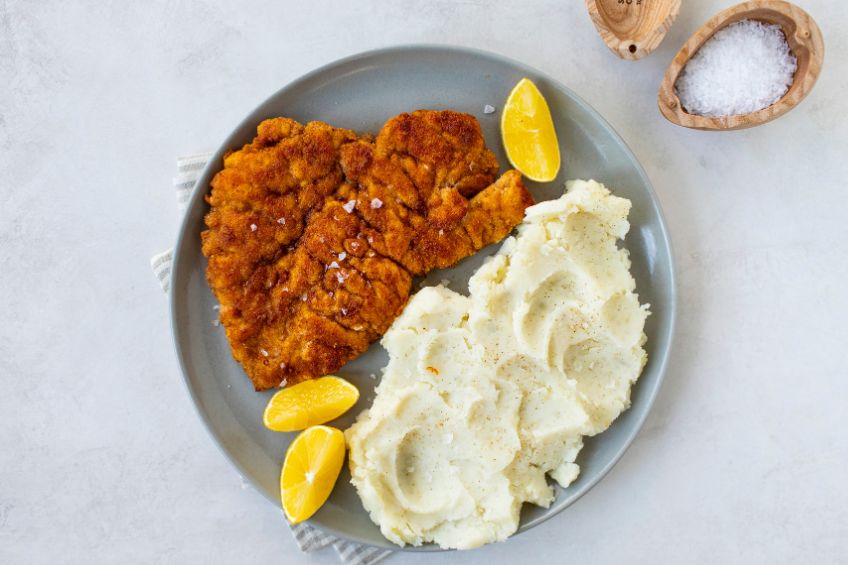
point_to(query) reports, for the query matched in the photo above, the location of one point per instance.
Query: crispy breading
(315, 234)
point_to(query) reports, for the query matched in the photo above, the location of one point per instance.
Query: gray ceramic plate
(362, 92)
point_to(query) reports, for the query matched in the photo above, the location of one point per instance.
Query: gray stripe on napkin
(350, 552)
(308, 538)
(161, 265)
(188, 169)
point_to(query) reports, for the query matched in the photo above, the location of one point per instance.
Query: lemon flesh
(528, 133)
(309, 403)
(310, 470)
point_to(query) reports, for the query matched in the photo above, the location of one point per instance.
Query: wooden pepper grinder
(633, 28)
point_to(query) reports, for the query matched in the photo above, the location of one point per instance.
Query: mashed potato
(484, 395)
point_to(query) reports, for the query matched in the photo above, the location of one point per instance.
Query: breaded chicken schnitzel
(315, 234)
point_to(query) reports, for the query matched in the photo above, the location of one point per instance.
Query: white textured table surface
(102, 457)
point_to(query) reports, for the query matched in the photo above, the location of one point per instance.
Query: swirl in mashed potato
(486, 395)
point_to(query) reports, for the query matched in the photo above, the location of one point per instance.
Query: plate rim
(213, 163)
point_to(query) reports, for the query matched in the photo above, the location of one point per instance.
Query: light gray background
(102, 458)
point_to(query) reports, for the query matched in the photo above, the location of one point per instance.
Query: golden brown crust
(314, 234)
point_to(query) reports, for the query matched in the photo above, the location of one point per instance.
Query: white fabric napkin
(308, 538)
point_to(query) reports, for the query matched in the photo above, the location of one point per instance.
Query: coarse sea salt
(744, 67)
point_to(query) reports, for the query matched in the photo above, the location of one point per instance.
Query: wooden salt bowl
(632, 28)
(802, 35)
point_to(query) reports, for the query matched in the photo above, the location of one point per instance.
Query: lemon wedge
(528, 133)
(309, 403)
(311, 467)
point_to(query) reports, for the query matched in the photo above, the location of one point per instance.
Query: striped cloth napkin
(308, 538)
